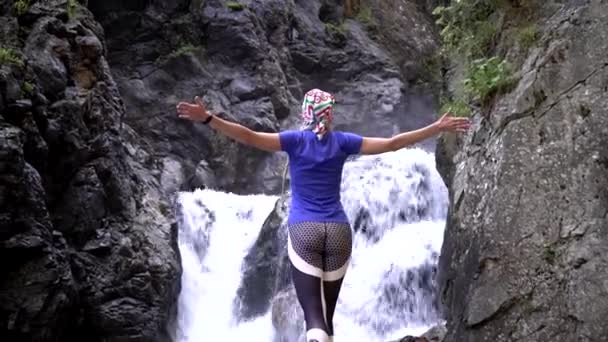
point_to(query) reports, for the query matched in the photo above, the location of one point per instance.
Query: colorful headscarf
(317, 110)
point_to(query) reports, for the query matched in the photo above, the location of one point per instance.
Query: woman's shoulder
(346, 135)
(349, 142)
(291, 133)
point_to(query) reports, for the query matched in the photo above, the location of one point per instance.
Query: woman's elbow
(392, 145)
(396, 144)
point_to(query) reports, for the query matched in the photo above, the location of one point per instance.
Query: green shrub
(549, 254)
(27, 89)
(528, 36)
(9, 56)
(235, 6)
(182, 50)
(335, 29)
(466, 26)
(478, 45)
(486, 77)
(365, 16)
(469, 30)
(457, 106)
(71, 8)
(20, 7)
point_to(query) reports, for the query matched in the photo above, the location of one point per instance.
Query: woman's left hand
(453, 123)
(193, 111)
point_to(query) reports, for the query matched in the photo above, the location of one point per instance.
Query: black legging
(308, 290)
(319, 255)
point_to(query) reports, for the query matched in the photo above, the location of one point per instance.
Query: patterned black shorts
(321, 249)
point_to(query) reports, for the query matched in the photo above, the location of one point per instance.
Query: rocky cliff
(252, 61)
(525, 256)
(86, 232)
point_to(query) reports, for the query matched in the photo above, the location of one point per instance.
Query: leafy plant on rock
(20, 7)
(365, 16)
(486, 77)
(9, 56)
(528, 36)
(27, 89)
(181, 51)
(456, 106)
(235, 6)
(71, 8)
(467, 27)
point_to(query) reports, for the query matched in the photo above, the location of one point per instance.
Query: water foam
(396, 201)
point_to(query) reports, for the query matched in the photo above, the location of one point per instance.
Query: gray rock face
(525, 256)
(253, 66)
(434, 334)
(37, 288)
(288, 317)
(87, 237)
(264, 266)
(266, 282)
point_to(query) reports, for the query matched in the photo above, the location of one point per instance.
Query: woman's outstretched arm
(197, 112)
(444, 124)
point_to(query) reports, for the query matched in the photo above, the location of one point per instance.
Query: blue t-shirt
(315, 167)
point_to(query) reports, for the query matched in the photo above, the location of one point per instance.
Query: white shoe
(317, 335)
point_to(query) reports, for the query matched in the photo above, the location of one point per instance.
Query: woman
(320, 238)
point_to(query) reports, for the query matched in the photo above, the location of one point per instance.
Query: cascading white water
(403, 202)
(396, 202)
(216, 230)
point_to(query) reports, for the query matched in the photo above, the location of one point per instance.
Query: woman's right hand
(193, 111)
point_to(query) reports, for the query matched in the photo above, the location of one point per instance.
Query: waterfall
(397, 204)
